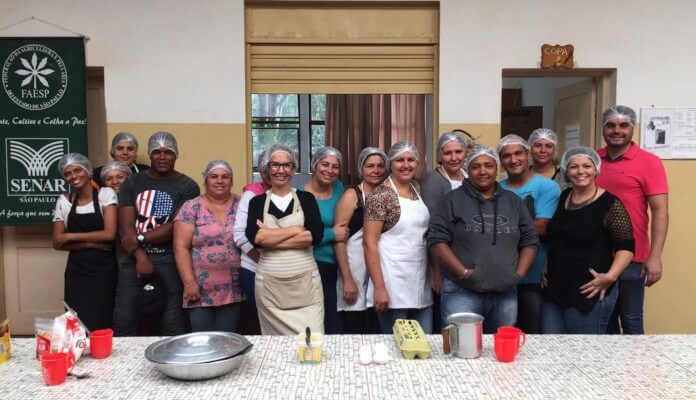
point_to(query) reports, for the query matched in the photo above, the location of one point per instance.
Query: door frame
(604, 80)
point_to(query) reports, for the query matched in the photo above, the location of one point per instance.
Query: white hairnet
(162, 140)
(74, 159)
(621, 112)
(279, 148)
(215, 165)
(121, 136)
(480, 150)
(261, 164)
(114, 166)
(402, 147)
(543, 133)
(511, 139)
(323, 152)
(580, 151)
(449, 137)
(366, 153)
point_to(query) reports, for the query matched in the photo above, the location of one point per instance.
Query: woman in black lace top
(590, 243)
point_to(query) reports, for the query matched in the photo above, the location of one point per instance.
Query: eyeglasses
(274, 166)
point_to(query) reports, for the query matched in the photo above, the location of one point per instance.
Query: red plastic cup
(101, 342)
(54, 368)
(511, 330)
(506, 346)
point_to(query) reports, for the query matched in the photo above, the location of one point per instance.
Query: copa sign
(557, 56)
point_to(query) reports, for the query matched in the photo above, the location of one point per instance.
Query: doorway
(568, 102)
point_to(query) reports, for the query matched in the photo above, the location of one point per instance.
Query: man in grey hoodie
(484, 238)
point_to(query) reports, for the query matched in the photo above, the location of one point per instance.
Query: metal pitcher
(463, 335)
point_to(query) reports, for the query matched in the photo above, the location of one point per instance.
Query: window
(294, 120)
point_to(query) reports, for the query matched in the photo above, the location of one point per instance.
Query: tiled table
(548, 367)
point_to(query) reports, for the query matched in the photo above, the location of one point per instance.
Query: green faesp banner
(42, 117)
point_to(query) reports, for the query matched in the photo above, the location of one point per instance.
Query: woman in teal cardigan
(327, 189)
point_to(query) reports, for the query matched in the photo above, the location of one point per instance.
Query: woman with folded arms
(85, 224)
(284, 224)
(327, 189)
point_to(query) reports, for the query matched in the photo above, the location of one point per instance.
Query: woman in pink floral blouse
(206, 256)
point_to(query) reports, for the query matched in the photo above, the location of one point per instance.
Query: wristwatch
(141, 239)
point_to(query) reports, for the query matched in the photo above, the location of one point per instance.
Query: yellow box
(309, 354)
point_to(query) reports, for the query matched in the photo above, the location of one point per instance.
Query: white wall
(183, 61)
(650, 43)
(165, 60)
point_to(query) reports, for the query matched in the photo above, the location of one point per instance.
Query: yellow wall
(198, 145)
(669, 303)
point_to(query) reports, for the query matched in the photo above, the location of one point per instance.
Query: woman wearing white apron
(351, 285)
(284, 224)
(396, 222)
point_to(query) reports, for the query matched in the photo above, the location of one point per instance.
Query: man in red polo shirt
(638, 178)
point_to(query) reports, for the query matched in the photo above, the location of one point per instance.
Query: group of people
(557, 246)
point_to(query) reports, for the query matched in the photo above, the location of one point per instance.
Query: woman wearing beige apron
(396, 222)
(284, 224)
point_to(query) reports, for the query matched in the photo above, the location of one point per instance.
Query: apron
(356, 262)
(90, 274)
(289, 295)
(403, 257)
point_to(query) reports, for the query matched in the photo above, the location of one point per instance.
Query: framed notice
(42, 116)
(669, 133)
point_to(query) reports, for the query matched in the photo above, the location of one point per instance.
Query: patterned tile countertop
(548, 367)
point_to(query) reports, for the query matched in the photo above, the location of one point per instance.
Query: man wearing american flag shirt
(148, 202)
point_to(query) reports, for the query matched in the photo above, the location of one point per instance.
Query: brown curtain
(354, 122)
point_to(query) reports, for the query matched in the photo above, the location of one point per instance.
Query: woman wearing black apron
(85, 224)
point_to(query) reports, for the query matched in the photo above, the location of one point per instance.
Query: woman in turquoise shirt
(327, 189)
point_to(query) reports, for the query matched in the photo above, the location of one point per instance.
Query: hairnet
(402, 147)
(162, 140)
(74, 159)
(543, 133)
(261, 164)
(279, 148)
(366, 153)
(323, 152)
(449, 137)
(480, 150)
(121, 136)
(580, 151)
(621, 112)
(511, 139)
(114, 166)
(215, 165)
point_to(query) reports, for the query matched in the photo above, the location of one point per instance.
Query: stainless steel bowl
(200, 371)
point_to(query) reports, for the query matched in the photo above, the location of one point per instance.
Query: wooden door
(575, 107)
(33, 270)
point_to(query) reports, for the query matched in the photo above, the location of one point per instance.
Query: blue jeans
(333, 323)
(172, 320)
(629, 306)
(424, 316)
(563, 320)
(529, 304)
(497, 308)
(219, 318)
(247, 279)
